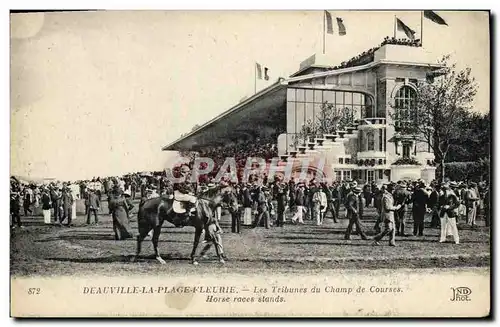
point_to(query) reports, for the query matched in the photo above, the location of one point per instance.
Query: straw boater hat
(356, 189)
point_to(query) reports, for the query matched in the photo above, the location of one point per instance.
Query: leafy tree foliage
(328, 121)
(441, 104)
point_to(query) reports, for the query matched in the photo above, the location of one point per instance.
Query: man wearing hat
(330, 201)
(377, 203)
(280, 193)
(419, 198)
(67, 200)
(387, 212)
(262, 208)
(183, 190)
(55, 198)
(355, 205)
(299, 204)
(433, 203)
(471, 200)
(15, 204)
(401, 197)
(247, 202)
(46, 205)
(448, 213)
(93, 204)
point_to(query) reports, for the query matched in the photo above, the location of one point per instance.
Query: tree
(441, 103)
(328, 121)
(476, 141)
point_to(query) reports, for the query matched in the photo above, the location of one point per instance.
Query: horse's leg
(197, 234)
(140, 238)
(156, 236)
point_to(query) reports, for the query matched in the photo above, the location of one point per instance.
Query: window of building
(347, 161)
(380, 174)
(380, 141)
(406, 150)
(347, 175)
(305, 104)
(370, 176)
(370, 137)
(405, 102)
(341, 161)
(338, 175)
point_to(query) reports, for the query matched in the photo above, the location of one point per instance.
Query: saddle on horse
(184, 206)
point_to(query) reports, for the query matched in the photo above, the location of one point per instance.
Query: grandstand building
(376, 86)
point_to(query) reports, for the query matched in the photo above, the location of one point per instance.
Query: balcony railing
(371, 121)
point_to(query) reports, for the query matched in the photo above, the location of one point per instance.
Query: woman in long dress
(120, 207)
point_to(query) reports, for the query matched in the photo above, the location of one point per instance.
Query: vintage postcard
(292, 163)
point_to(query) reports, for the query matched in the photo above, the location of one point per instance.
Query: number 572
(33, 291)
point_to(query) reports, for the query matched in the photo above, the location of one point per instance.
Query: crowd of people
(368, 56)
(267, 203)
(57, 201)
(274, 203)
(264, 148)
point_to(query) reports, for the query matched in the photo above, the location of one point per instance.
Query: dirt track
(40, 249)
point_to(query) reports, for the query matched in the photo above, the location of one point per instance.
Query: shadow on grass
(79, 237)
(335, 242)
(119, 259)
(106, 237)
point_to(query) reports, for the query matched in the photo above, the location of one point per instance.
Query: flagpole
(422, 28)
(255, 78)
(324, 27)
(395, 26)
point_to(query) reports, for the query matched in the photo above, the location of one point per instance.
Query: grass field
(40, 249)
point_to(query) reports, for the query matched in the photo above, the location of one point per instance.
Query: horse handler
(213, 235)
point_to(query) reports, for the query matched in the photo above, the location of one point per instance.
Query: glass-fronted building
(372, 96)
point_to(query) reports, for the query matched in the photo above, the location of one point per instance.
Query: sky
(100, 93)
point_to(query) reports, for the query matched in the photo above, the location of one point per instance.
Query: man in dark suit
(433, 204)
(355, 204)
(377, 204)
(94, 204)
(330, 207)
(133, 188)
(337, 198)
(15, 205)
(263, 210)
(247, 203)
(419, 199)
(281, 203)
(487, 213)
(55, 198)
(67, 201)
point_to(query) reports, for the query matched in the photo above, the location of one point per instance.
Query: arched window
(370, 137)
(406, 104)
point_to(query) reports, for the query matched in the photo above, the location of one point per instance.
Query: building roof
(262, 109)
(244, 118)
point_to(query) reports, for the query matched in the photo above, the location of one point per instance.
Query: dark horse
(153, 212)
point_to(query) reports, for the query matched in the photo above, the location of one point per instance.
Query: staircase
(325, 143)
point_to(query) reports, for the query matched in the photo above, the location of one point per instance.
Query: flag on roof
(431, 15)
(405, 28)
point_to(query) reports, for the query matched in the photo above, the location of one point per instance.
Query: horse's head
(216, 196)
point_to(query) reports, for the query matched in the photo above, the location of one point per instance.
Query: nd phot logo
(460, 294)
